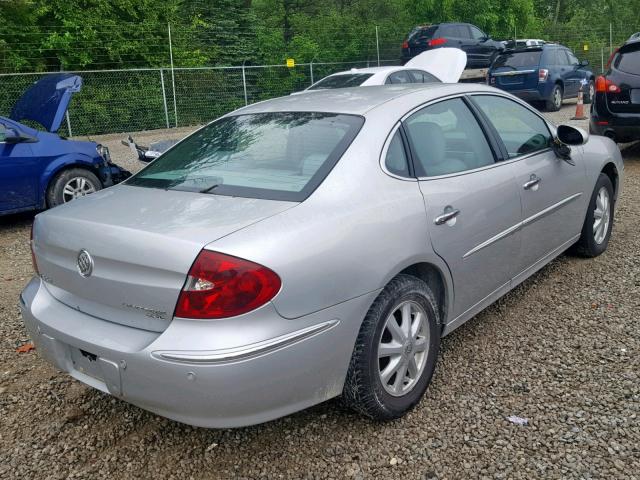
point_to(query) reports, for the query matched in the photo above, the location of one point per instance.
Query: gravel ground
(560, 350)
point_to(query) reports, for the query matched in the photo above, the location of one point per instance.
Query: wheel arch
(611, 171)
(60, 165)
(437, 281)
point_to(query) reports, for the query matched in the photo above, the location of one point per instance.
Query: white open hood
(445, 63)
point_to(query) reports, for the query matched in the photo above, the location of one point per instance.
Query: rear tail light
(604, 85)
(33, 254)
(543, 74)
(437, 41)
(613, 54)
(221, 286)
(405, 44)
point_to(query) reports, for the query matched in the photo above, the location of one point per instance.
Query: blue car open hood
(46, 101)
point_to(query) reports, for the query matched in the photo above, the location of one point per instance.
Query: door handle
(449, 214)
(533, 182)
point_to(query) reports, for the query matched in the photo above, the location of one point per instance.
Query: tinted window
(398, 77)
(550, 56)
(281, 156)
(463, 31)
(476, 33)
(420, 33)
(396, 159)
(563, 58)
(452, 31)
(342, 81)
(418, 76)
(521, 130)
(518, 59)
(446, 138)
(573, 60)
(628, 62)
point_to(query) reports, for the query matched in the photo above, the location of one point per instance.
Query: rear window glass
(518, 59)
(341, 81)
(628, 62)
(422, 32)
(278, 156)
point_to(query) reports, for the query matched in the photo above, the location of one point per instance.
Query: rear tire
(596, 230)
(71, 184)
(555, 102)
(405, 305)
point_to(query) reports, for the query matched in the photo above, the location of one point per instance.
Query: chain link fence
(127, 100)
(134, 99)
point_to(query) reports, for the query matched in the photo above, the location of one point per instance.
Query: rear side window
(419, 76)
(396, 159)
(278, 156)
(446, 138)
(563, 58)
(398, 77)
(628, 62)
(521, 130)
(518, 59)
(341, 81)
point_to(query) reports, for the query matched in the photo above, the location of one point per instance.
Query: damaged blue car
(40, 169)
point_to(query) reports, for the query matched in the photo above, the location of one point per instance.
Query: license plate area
(86, 363)
(635, 96)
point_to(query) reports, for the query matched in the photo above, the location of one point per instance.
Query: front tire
(395, 352)
(596, 230)
(555, 102)
(71, 184)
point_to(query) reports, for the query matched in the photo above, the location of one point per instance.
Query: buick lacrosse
(312, 246)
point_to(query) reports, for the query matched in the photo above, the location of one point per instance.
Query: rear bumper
(271, 367)
(621, 127)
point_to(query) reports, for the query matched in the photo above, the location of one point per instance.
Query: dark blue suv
(542, 74)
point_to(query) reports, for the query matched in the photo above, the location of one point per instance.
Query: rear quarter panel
(351, 236)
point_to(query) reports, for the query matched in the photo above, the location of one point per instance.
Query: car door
(481, 47)
(472, 205)
(577, 73)
(567, 73)
(551, 189)
(18, 175)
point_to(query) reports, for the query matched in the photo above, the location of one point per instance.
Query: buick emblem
(85, 263)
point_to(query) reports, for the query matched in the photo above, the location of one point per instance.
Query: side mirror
(584, 63)
(11, 135)
(569, 135)
(150, 155)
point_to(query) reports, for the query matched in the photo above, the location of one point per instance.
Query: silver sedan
(312, 246)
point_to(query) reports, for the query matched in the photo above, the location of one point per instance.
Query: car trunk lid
(142, 242)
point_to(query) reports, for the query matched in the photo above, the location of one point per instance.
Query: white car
(440, 65)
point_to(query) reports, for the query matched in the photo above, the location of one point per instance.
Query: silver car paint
(334, 252)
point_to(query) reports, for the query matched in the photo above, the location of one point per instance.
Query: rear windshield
(278, 156)
(341, 81)
(518, 59)
(422, 32)
(628, 62)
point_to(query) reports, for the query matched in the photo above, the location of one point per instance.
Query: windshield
(341, 81)
(278, 156)
(518, 59)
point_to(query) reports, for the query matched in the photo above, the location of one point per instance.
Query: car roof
(359, 100)
(373, 70)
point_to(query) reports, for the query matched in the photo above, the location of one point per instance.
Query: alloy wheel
(601, 216)
(77, 187)
(557, 97)
(403, 348)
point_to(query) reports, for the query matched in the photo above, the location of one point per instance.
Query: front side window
(476, 33)
(446, 138)
(398, 77)
(279, 156)
(396, 159)
(521, 130)
(341, 81)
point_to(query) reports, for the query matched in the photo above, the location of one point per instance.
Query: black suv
(615, 112)
(481, 50)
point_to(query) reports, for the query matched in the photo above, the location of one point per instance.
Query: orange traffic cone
(579, 107)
